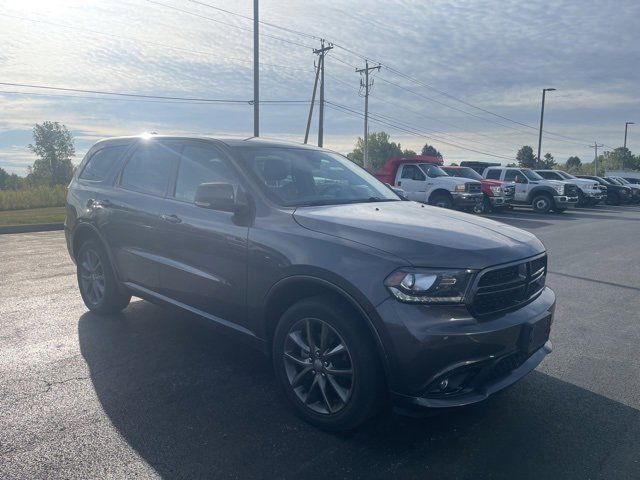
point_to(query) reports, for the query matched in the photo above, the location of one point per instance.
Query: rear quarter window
(102, 163)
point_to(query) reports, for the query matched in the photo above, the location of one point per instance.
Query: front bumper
(500, 201)
(564, 201)
(426, 345)
(461, 199)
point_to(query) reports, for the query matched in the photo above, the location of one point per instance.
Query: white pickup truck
(534, 191)
(589, 192)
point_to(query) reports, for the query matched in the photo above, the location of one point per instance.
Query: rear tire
(327, 364)
(542, 203)
(97, 282)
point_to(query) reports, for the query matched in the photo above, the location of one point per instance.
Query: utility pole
(595, 158)
(322, 52)
(313, 99)
(256, 71)
(366, 85)
(544, 92)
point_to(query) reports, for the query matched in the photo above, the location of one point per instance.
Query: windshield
(297, 177)
(433, 170)
(565, 175)
(464, 172)
(613, 180)
(531, 175)
(623, 181)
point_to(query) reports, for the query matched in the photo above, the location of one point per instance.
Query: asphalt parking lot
(156, 393)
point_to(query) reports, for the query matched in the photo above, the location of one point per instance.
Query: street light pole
(256, 71)
(626, 125)
(544, 92)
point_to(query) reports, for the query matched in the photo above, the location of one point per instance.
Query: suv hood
(582, 182)
(423, 235)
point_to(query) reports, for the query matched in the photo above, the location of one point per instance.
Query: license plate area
(535, 334)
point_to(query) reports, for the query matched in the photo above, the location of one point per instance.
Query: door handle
(171, 218)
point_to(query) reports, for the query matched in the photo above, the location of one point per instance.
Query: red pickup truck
(496, 194)
(424, 181)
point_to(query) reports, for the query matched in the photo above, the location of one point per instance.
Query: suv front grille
(570, 190)
(509, 191)
(473, 187)
(505, 288)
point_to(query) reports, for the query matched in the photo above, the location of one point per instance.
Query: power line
(413, 131)
(170, 102)
(246, 29)
(159, 97)
(399, 73)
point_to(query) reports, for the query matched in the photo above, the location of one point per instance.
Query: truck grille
(505, 288)
(509, 191)
(570, 190)
(473, 187)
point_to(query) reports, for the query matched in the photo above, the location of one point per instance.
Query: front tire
(97, 282)
(542, 203)
(441, 200)
(327, 364)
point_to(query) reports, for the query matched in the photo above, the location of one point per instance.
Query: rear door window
(150, 167)
(102, 163)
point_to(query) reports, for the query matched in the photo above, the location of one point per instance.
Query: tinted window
(510, 175)
(200, 164)
(150, 167)
(102, 163)
(493, 174)
(412, 172)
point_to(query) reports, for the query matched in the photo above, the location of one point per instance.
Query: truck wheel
(542, 203)
(613, 199)
(327, 364)
(98, 285)
(441, 200)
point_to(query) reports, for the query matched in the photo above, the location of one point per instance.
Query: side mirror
(216, 196)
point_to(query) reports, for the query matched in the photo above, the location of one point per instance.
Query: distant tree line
(616, 159)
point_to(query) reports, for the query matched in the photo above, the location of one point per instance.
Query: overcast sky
(493, 54)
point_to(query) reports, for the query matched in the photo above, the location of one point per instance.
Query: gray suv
(358, 297)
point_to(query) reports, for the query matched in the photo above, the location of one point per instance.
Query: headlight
(496, 190)
(459, 188)
(559, 189)
(431, 286)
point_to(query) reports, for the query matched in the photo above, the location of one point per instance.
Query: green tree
(548, 162)
(431, 151)
(380, 149)
(573, 164)
(3, 178)
(53, 143)
(525, 157)
(408, 153)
